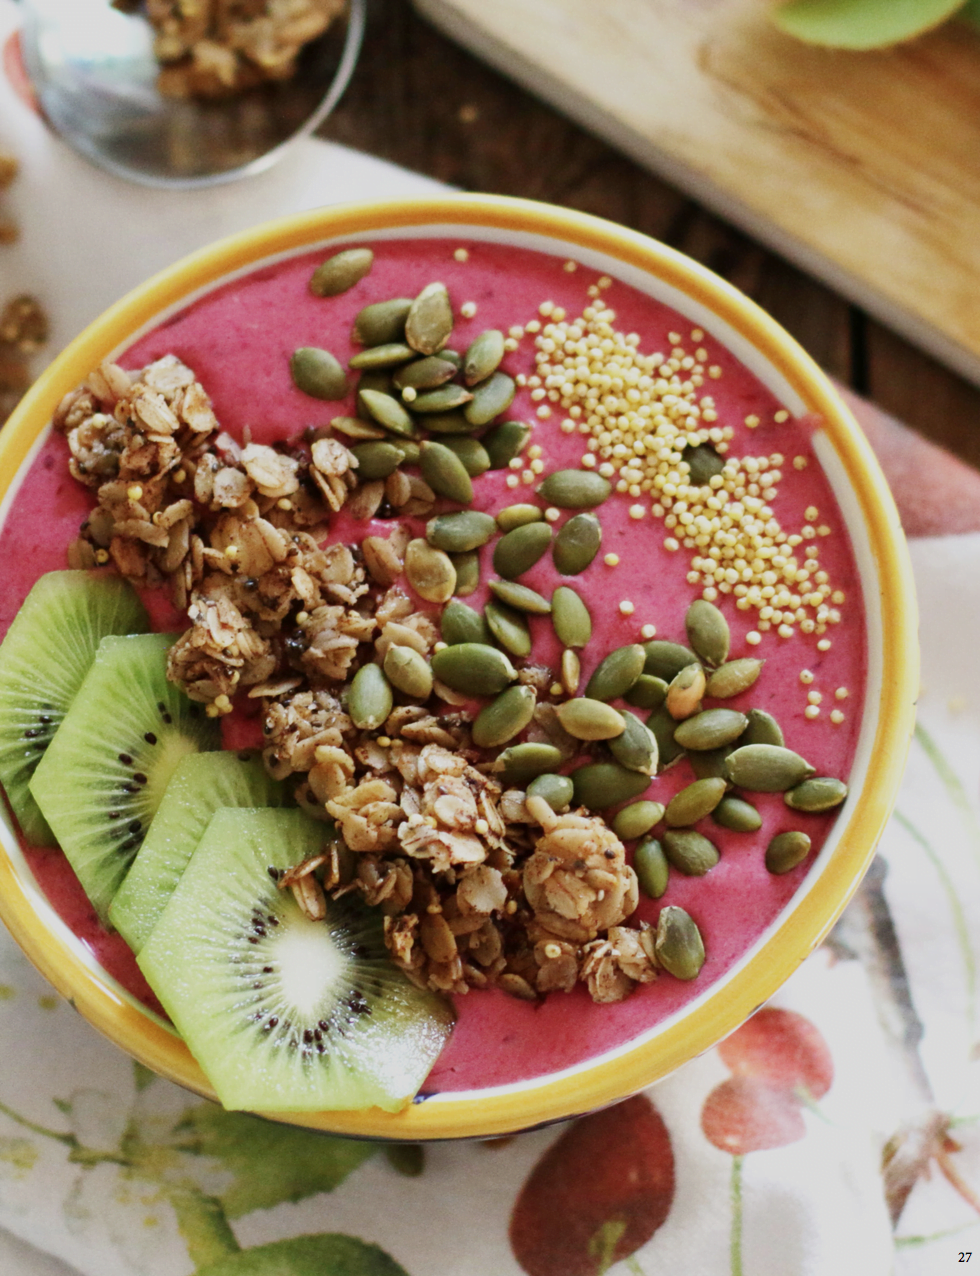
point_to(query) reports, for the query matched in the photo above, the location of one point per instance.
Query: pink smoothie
(238, 340)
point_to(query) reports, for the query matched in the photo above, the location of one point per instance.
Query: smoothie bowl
(467, 662)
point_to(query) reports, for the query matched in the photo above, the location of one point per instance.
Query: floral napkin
(836, 1133)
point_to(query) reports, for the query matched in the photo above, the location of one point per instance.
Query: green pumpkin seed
(575, 489)
(518, 516)
(652, 869)
(690, 852)
(452, 356)
(666, 659)
(341, 271)
(703, 462)
(571, 671)
(707, 632)
(762, 729)
(738, 815)
(819, 793)
(710, 729)
(443, 399)
(445, 473)
(734, 677)
(369, 700)
(425, 374)
(430, 320)
(636, 820)
(430, 572)
(410, 450)
(577, 544)
(460, 531)
(685, 692)
(505, 441)
(766, 768)
(506, 717)
(460, 623)
(473, 667)
(382, 322)
(557, 790)
(509, 627)
(587, 719)
(570, 617)
(636, 749)
(387, 411)
(467, 573)
(603, 784)
(375, 460)
(647, 692)
(471, 453)
(518, 551)
(490, 398)
(451, 423)
(520, 597)
(786, 851)
(694, 802)
(483, 356)
(679, 946)
(317, 373)
(617, 673)
(662, 725)
(388, 356)
(354, 428)
(518, 765)
(408, 671)
(710, 763)
(373, 379)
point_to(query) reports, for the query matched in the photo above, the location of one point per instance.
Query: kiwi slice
(201, 785)
(46, 653)
(102, 778)
(283, 1013)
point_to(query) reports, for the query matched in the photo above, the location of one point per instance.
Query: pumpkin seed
(369, 700)
(636, 749)
(373, 379)
(429, 320)
(382, 322)
(505, 441)
(617, 673)
(819, 793)
(685, 692)
(474, 667)
(467, 573)
(376, 460)
(577, 543)
(410, 450)
(387, 411)
(557, 790)
(570, 617)
(738, 815)
(637, 819)
(762, 729)
(504, 718)
(575, 489)
(694, 802)
(483, 356)
(710, 729)
(707, 632)
(690, 852)
(425, 374)
(521, 763)
(442, 399)
(341, 271)
(647, 692)
(387, 356)
(587, 719)
(408, 671)
(430, 572)
(354, 428)
(679, 946)
(666, 659)
(518, 551)
(662, 725)
(518, 515)
(509, 627)
(602, 784)
(445, 423)
(317, 373)
(710, 763)
(652, 869)
(471, 453)
(766, 768)
(490, 398)
(460, 531)
(460, 623)
(703, 462)
(452, 356)
(571, 671)
(786, 851)
(734, 677)
(520, 596)
(445, 473)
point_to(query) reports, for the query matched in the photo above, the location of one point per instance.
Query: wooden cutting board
(864, 169)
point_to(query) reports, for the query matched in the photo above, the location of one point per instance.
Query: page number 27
(965, 1255)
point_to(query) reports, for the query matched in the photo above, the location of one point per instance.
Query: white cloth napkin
(97, 1167)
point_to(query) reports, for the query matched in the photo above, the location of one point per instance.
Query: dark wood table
(423, 102)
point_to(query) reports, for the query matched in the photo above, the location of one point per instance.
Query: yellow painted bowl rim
(46, 940)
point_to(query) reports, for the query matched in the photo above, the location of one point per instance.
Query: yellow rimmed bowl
(886, 581)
